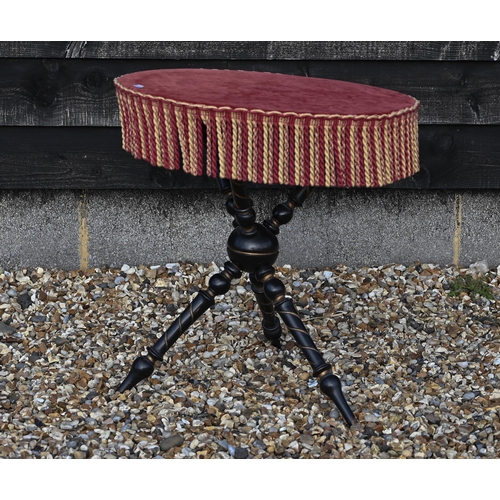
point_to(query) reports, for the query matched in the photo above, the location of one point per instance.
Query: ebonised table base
(252, 248)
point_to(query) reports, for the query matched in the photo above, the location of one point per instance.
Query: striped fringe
(271, 148)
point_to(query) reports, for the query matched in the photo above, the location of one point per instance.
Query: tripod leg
(143, 366)
(283, 213)
(270, 324)
(328, 382)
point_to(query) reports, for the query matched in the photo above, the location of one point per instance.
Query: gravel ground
(420, 368)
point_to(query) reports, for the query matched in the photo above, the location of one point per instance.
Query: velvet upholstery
(267, 92)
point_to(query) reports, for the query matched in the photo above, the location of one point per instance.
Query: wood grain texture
(76, 92)
(451, 157)
(457, 157)
(79, 158)
(293, 50)
(69, 92)
(59, 123)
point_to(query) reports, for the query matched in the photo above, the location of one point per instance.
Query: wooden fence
(59, 124)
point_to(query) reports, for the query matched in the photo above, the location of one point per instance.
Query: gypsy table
(240, 126)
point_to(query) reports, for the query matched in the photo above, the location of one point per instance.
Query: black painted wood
(455, 157)
(143, 366)
(451, 157)
(80, 158)
(270, 323)
(71, 92)
(275, 291)
(292, 50)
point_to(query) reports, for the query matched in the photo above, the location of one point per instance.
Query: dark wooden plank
(291, 50)
(457, 157)
(71, 92)
(451, 157)
(79, 158)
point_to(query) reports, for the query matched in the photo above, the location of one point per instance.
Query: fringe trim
(270, 147)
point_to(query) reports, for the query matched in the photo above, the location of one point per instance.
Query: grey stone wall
(79, 229)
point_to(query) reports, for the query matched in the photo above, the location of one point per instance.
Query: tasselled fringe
(270, 147)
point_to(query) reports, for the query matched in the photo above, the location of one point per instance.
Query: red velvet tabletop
(269, 128)
(266, 92)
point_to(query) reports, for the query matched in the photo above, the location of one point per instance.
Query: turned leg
(143, 366)
(270, 324)
(328, 382)
(283, 213)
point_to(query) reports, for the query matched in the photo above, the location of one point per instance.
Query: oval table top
(267, 92)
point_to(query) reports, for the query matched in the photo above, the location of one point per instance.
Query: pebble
(39, 319)
(68, 425)
(480, 267)
(24, 300)
(171, 442)
(6, 328)
(240, 453)
(419, 368)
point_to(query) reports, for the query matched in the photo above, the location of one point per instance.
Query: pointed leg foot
(273, 333)
(331, 387)
(142, 368)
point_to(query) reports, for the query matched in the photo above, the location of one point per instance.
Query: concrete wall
(80, 229)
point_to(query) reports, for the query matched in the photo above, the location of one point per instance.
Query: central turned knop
(250, 248)
(250, 244)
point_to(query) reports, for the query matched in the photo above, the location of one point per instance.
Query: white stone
(480, 267)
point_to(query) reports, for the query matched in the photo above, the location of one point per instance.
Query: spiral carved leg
(143, 366)
(270, 324)
(328, 382)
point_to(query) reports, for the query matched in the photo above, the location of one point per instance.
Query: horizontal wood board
(284, 50)
(451, 157)
(59, 124)
(76, 92)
